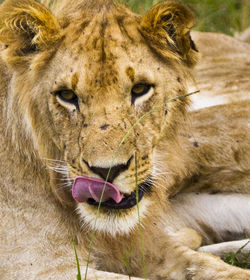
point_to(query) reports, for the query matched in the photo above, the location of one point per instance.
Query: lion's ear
(27, 26)
(166, 28)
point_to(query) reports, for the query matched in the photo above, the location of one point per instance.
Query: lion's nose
(110, 174)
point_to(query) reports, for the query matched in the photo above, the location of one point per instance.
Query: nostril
(105, 174)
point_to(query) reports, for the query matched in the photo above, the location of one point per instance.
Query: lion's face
(100, 105)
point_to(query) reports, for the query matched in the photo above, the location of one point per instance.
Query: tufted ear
(166, 28)
(27, 27)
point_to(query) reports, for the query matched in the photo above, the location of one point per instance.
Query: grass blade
(154, 108)
(139, 220)
(78, 276)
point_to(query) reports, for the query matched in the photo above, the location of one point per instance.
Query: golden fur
(100, 49)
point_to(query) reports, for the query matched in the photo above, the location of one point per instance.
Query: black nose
(113, 173)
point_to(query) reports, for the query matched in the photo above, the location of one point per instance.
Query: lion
(100, 144)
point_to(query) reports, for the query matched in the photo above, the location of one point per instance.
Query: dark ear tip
(192, 44)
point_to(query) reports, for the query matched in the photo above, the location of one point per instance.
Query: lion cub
(97, 145)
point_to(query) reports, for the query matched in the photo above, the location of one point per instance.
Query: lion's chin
(113, 221)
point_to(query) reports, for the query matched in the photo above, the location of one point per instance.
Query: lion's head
(91, 89)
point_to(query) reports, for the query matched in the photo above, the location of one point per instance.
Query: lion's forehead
(103, 33)
(102, 51)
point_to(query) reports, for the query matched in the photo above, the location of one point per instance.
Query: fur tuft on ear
(26, 26)
(166, 28)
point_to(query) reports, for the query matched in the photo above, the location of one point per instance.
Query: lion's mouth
(90, 190)
(128, 201)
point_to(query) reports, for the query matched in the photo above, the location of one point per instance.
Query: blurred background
(226, 16)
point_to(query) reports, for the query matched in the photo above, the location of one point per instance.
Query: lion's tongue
(85, 188)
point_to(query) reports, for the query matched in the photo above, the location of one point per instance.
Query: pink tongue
(85, 188)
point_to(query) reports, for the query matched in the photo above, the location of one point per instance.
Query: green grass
(126, 259)
(139, 219)
(231, 258)
(239, 259)
(78, 276)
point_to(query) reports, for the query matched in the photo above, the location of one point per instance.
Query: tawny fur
(100, 49)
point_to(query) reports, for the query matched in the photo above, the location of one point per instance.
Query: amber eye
(68, 96)
(139, 90)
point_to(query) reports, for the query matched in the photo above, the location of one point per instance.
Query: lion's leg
(188, 237)
(217, 217)
(221, 249)
(182, 263)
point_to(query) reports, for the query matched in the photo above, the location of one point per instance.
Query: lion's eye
(138, 90)
(67, 96)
